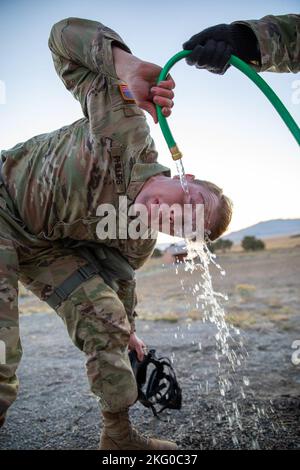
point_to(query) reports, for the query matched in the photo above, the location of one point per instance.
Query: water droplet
(246, 381)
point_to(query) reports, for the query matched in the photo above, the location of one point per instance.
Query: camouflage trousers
(94, 315)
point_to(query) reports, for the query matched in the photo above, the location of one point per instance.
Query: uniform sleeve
(82, 51)
(279, 42)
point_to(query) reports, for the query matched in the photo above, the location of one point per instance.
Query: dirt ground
(55, 409)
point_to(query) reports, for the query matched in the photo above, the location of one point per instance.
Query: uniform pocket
(129, 110)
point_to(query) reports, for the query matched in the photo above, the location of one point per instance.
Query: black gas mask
(156, 381)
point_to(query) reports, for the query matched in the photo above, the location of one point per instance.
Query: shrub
(221, 245)
(252, 244)
(245, 290)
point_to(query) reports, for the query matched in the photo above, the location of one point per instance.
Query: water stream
(181, 174)
(230, 352)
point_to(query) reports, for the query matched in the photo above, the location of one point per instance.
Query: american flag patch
(126, 94)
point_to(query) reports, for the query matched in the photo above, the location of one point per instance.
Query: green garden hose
(247, 70)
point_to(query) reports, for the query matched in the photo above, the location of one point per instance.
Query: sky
(227, 130)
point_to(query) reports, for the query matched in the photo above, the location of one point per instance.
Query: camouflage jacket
(57, 180)
(279, 42)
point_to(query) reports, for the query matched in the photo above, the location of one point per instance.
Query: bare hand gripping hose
(247, 70)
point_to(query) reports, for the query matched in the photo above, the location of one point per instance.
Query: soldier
(50, 191)
(269, 44)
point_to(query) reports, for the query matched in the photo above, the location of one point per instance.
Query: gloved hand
(212, 47)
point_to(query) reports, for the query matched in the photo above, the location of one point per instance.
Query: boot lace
(137, 437)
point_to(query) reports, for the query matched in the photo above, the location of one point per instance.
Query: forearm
(278, 39)
(125, 63)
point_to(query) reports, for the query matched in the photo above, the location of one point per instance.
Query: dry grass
(168, 317)
(248, 319)
(274, 243)
(263, 289)
(274, 302)
(245, 291)
(281, 313)
(242, 319)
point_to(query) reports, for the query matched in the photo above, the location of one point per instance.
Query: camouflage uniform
(53, 184)
(279, 42)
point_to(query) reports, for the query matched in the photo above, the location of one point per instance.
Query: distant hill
(267, 229)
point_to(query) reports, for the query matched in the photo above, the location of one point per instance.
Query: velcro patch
(126, 94)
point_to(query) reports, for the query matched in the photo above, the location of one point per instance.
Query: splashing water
(230, 353)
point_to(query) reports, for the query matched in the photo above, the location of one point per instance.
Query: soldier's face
(168, 192)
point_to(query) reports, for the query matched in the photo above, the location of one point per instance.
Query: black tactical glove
(212, 48)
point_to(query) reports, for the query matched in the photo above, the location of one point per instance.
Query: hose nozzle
(175, 152)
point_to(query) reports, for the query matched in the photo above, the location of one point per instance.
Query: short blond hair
(224, 209)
